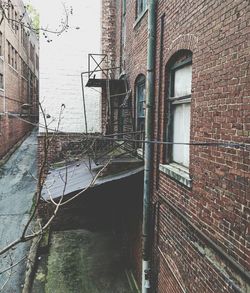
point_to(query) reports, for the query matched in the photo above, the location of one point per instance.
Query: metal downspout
(85, 116)
(84, 105)
(148, 157)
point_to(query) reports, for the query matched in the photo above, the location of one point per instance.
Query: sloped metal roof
(78, 177)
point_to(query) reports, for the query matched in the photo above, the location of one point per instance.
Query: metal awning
(78, 178)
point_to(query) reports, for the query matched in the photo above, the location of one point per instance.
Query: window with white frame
(141, 6)
(179, 111)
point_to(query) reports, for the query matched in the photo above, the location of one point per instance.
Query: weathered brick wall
(62, 147)
(108, 41)
(16, 90)
(135, 51)
(108, 30)
(11, 131)
(218, 201)
(69, 147)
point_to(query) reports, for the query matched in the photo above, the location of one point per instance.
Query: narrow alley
(136, 175)
(86, 249)
(17, 188)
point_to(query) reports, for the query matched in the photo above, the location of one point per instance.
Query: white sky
(52, 11)
(63, 59)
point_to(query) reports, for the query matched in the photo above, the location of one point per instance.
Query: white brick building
(63, 59)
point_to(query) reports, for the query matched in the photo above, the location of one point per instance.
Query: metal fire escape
(115, 97)
(100, 71)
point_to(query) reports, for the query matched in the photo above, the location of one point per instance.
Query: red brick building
(19, 73)
(200, 181)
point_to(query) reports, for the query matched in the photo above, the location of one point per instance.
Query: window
(37, 62)
(1, 81)
(12, 56)
(31, 86)
(141, 6)
(24, 70)
(1, 44)
(12, 17)
(24, 38)
(180, 98)
(32, 53)
(9, 52)
(140, 103)
(16, 23)
(9, 11)
(178, 116)
(1, 65)
(16, 60)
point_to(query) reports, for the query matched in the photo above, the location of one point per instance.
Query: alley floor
(84, 254)
(81, 261)
(17, 188)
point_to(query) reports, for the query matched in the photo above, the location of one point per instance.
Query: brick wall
(108, 30)
(12, 130)
(16, 87)
(69, 147)
(62, 147)
(217, 203)
(108, 42)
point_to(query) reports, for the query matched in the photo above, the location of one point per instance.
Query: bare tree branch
(64, 25)
(41, 183)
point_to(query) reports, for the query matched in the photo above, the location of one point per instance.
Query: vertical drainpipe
(148, 157)
(4, 66)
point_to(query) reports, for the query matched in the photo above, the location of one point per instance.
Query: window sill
(177, 172)
(139, 18)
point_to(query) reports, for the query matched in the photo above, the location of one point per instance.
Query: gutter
(148, 157)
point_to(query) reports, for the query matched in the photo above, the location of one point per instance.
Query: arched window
(179, 101)
(140, 89)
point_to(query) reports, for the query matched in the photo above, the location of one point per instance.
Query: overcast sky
(51, 11)
(63, 60)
